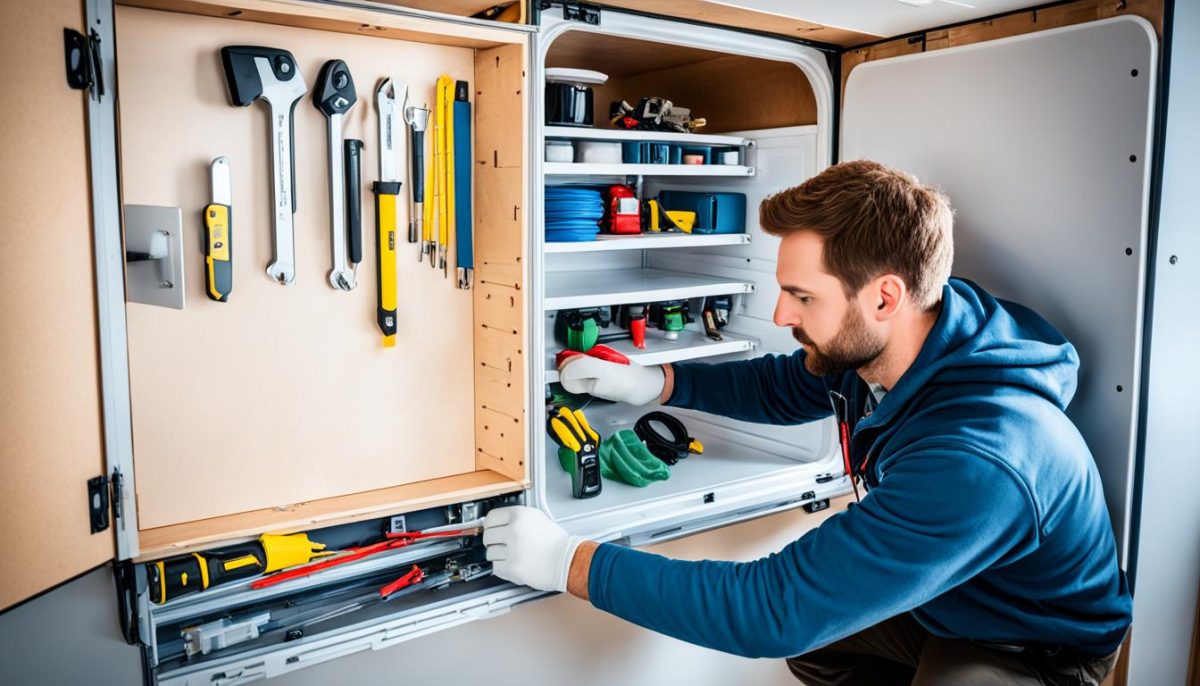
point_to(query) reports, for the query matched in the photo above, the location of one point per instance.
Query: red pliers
(414, 576)
(390, 542)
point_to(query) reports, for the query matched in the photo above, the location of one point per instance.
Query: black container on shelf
(568, 104)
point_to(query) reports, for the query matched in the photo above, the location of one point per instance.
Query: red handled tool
(598, 351)
(415, 576)
(841, 410)
(391, 542)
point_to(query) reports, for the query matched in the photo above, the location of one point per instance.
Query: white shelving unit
(691, 345)
(591, 169)
(648, 241)
(566, 290)
(592, 134)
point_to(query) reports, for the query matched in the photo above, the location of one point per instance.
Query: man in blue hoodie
(982, 551)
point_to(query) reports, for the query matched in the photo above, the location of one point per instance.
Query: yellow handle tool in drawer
(218, 234)
(186, 574)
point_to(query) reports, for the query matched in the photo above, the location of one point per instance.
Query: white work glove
(625, 383)
(527, 548)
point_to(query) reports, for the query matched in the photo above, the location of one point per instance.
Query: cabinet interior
(732, 92)
(367, 431)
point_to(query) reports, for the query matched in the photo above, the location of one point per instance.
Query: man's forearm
(668, 384)
(581, 565)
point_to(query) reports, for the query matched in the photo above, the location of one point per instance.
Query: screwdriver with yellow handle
(218, 233)
(571, 431)
(183, 575)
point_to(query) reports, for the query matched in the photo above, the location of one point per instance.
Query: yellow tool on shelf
(186, 574)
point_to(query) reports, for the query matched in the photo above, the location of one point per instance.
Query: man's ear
(890, 293)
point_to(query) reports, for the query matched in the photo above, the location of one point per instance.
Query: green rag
(625, 458)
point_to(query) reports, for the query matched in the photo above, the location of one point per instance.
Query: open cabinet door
(1042, 142)
(51, 403)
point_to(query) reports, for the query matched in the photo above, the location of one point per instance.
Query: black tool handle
(418, 166)
(334, 92)
(184, 575)
(353, 150)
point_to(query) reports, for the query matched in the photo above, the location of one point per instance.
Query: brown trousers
(900, 651)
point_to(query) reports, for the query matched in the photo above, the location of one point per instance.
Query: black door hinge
(99, 499)
(82, 56)
(577, 11)
(98, 503)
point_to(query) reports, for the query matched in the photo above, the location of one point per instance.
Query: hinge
(99, 498)
(578, 11)
(82, 56)
(98, 502)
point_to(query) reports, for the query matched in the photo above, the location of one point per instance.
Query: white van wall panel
(1042, 142)
(1167, 562)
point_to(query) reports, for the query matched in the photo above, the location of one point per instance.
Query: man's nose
(784, 315)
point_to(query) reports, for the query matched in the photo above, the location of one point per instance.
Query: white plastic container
(598, 152)
(560, 151)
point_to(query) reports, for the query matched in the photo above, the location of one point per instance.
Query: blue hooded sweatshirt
(985, 516)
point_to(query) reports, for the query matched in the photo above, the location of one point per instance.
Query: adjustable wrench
(334, 96)
(270, 74)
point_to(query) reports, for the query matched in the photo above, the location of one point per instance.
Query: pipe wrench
(270, 74)
(387, 190)
(334, 96)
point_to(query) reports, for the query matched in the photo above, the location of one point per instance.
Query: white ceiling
(884, 17)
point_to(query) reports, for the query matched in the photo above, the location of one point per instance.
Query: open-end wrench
(270, 74)
(334, 96)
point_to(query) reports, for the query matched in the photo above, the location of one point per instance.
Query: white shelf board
(591, 134)
(647, 241)
(691, 345)
(570, 289)
(592, 169)
(728, 458)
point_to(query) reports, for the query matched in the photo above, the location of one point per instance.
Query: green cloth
(625, 458)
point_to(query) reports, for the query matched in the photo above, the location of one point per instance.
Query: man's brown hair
(874, 220)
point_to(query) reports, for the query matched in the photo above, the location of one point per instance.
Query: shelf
(691, 345)
(566, 290)
(590, 134)
(589, 169)
(729, 458)
(647, 241)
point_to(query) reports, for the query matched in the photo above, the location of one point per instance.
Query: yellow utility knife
(218, 233)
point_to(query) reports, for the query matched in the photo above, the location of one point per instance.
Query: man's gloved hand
(626, 383)
(527, 548)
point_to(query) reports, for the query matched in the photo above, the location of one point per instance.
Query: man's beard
(852, 348)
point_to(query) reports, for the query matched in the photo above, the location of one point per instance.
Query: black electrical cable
(668, 449)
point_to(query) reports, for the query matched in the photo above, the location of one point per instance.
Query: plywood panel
(501, 316)
(50, 407)
(284, 394)
(329, 17)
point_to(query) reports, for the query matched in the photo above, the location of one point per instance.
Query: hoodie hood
(981, 339)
